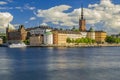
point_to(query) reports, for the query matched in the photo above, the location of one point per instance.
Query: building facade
(48, 38)
(35, 40)
(44, 32)
(100, 36)
(60, 37)
(39, 30)
(16, 35)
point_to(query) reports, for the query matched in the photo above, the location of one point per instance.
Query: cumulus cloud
(5, 19)
(3, 2)
(104, 16)
(106, 13)
(56, 15)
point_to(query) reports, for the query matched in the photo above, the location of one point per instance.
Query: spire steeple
(82, 12)
(82, 22)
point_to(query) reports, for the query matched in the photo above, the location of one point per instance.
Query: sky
(99, 14)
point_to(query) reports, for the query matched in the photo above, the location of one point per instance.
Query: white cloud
(56, 15)
(44, 24)
(7, 8)
(105, 16)
(27, 6)
(3, 2)
(5, 19)
(32, 18)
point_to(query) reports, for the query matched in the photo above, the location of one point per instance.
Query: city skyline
(101, 14)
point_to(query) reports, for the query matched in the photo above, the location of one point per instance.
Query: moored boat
(16, 45)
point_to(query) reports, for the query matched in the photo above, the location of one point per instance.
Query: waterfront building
(60, 36)
(39, 30)
(100, 36)
(48, 38)
(84, 34)
(91, 34)
(44, 32)
(35, 40)
(16, 35)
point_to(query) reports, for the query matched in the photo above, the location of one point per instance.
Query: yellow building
(100, 36)
(35, 40)
(60, 37)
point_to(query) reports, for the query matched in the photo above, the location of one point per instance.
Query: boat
(17, 45)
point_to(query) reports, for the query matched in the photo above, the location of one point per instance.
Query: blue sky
(61, 13)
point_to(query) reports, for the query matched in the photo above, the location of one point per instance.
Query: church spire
(82, 12)
(82, 22)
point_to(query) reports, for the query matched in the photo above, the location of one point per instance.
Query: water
(100, 63)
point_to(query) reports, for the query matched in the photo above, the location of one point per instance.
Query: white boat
(16, 45)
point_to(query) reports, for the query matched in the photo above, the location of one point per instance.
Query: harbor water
(50, 63)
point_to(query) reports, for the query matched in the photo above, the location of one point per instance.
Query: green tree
(68, 40)
(27, 42)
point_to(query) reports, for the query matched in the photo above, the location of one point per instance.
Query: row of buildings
(48, 36)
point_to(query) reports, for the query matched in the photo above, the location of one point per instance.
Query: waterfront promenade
(79, 45)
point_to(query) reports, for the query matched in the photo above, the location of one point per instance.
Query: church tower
(82, 22)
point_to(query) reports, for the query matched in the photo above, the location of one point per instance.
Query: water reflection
(60, 64)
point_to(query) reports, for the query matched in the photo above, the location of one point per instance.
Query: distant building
(44, 32)
(100, 36)
(48, 38)
(91, 34)
(60, 37)
(39, 30)
(35, 40)
(16, 35)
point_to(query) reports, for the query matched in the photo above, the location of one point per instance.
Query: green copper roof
(48, 33)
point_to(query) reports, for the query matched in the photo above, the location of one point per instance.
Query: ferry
(17, 45)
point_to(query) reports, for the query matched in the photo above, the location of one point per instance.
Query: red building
(18, 35)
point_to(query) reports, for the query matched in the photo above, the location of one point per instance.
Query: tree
(68, 40)
(80, 40)
(111, 39)
(27, 42)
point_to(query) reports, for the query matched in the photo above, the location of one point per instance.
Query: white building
(48, 38)
(84, 34)
(74, 36)
(39, 30)
(91, 35)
